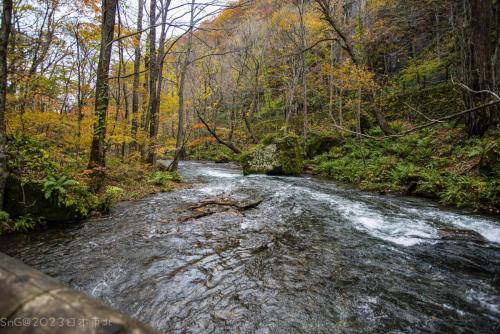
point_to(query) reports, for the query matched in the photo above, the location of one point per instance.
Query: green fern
(55, 188)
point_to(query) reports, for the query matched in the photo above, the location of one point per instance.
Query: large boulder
(274, 156)
(28, 199)
(321, 142)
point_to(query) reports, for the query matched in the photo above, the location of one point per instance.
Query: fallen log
(209, 207)
(239, 206)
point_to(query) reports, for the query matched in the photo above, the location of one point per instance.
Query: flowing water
(312, 257)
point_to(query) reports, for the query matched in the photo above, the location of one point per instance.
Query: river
(312, 257)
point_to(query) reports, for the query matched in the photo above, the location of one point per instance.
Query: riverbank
(46, 186)
(440, 163)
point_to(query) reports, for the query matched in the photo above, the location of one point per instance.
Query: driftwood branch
(205, 208)
(422, 114)
(228, 144)
(238, 206)
(470, 90)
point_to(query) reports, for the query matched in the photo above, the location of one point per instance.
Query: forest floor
(139, 180)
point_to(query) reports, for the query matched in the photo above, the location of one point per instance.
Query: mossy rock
(29, 199)
(275, 156)
(321, 142)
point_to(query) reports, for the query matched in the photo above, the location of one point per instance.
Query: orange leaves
(94, 5)
(202, 140)
(198, 126)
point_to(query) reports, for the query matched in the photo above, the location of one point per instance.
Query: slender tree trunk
(5, 30)
(179, 145)
(358, 115)
(122, 86)
(289, 98)
(137, 67)
(304, 66)
(79, 116)
(153, 77)
(330, 82)
(145, 102)
(98, 151)
(248, 125)
(155, 103)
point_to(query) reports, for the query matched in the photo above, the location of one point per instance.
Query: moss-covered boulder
(274, 156)
(321, 142)
(28, 199)
(40, 187)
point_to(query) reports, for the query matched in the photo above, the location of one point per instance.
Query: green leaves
(55, 188)
(160, 178)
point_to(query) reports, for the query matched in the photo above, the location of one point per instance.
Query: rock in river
(274, 156)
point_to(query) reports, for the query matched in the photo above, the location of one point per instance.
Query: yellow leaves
(283, 19)
(315, 26)
(120, 138)
(227, 16)
(327, 69)
(169, 104)
(349, 76)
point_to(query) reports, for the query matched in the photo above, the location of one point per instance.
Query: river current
(310, 256)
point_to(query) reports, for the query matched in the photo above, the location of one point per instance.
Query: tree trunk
(79, 116)
(97, 151)
(480, 65)
(304, 66)
(153, 78)
(358, 115)
(155, 106)
(5, 30)
(381, 121)
(137, 67)
(179, 144)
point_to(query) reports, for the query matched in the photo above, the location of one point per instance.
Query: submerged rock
(460, 234)
(276, 156)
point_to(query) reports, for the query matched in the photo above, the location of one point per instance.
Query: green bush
(469, 192)
(25, 224)
(111, 195)
(31, 166)
(28, 158)
(4, 216)
(161, 178)
(211, 152)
